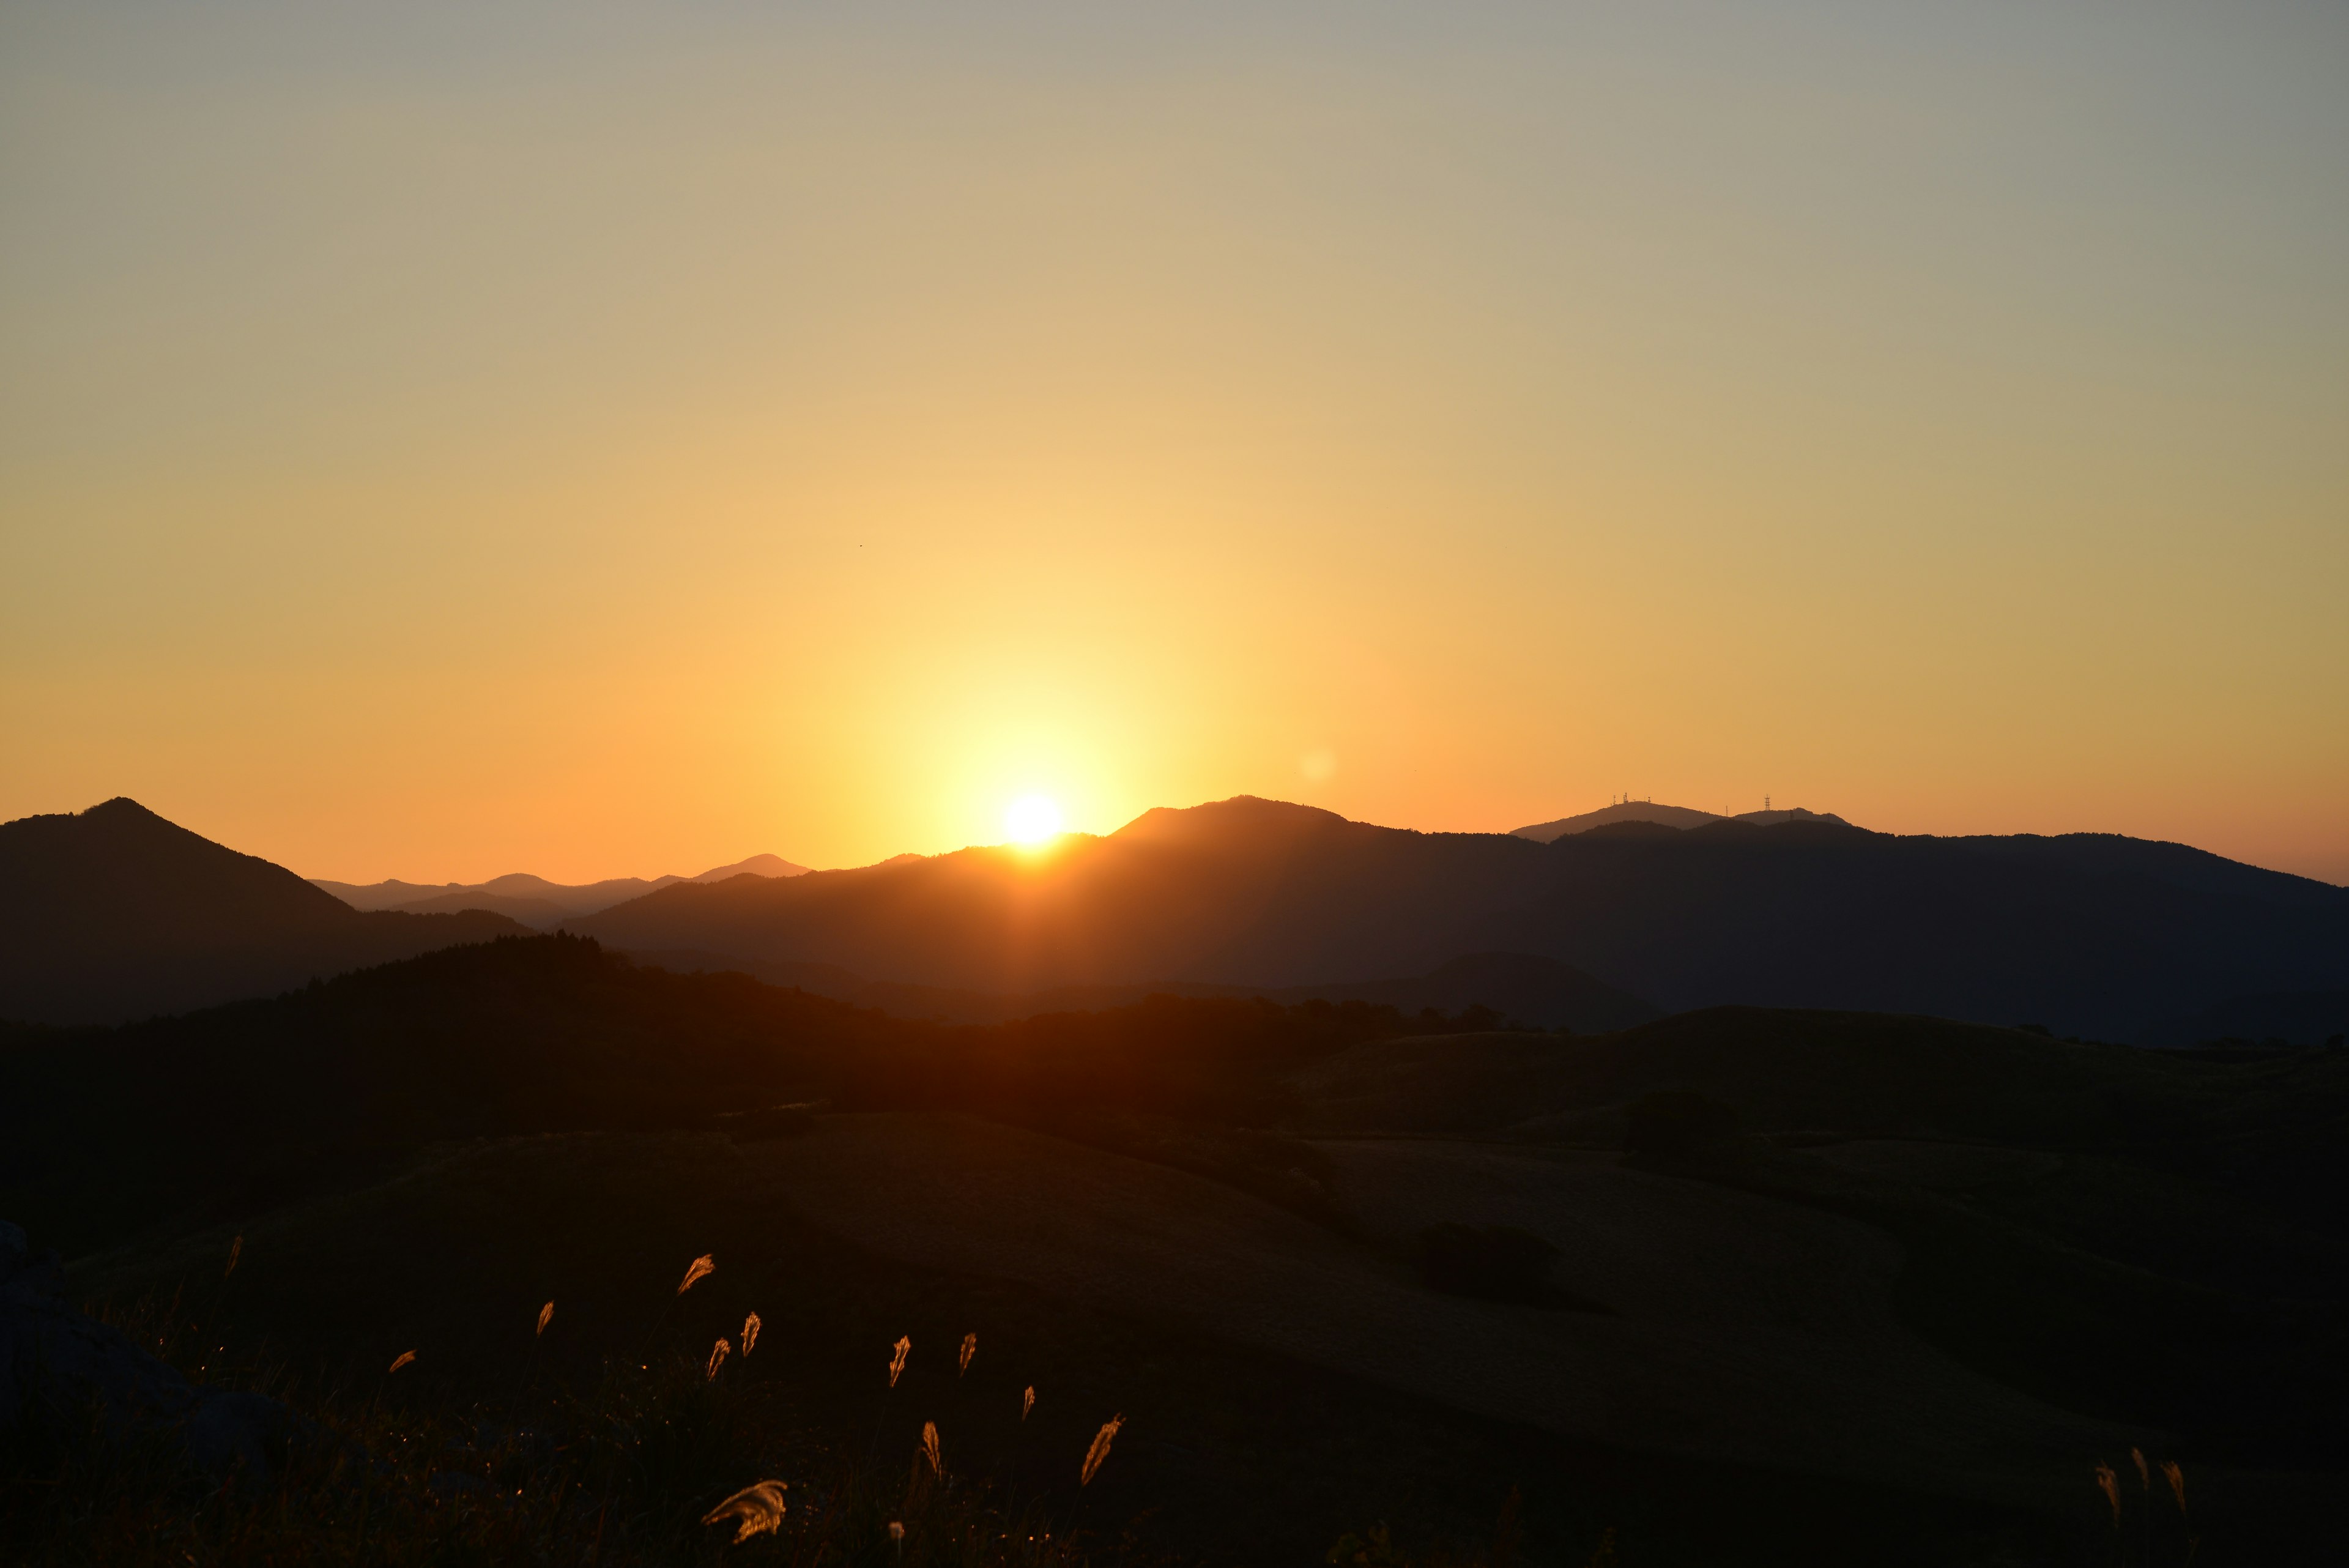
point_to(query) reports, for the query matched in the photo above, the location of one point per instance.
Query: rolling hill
(2086, 934)
(1539, 992)
(114, 913)
(1954, 1262)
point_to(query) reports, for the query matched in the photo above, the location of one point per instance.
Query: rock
(59, 1366)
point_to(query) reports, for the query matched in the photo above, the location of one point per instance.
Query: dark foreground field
(1864, 1289)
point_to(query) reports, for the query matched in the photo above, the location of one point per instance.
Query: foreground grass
(624, 1471)
(605, 1441)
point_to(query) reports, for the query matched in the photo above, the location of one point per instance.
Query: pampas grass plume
(718, 1356)
(2177, 1479)
(751, 1326)
(545, 1316)
(2144, 1479)
(1099, 1450)
(758, 1507)
(236, 1250)
(2107, 1483)
(969, 1349)
(930, 1446)
(405, 1357)
(897, 1362)
(702, 1265)
(1028, 1401)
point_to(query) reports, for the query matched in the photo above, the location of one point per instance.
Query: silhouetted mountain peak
(115, 911)
(1642, 811)
(1243, 820)
(1674, 816)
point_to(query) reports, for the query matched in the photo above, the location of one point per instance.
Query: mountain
(1666, 815)
(1622, 811)
(2086, 934)
(533, 900)
(756, 865)
(114, 913)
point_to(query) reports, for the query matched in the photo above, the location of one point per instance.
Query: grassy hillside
(1889, 1304)
(506, 1446)
(184, 1120)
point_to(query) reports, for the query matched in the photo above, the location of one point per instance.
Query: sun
(1031, 819)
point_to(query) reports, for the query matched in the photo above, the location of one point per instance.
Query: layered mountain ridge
(2089, 934)
(534, 901)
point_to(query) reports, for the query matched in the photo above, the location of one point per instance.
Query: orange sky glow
(439, 445)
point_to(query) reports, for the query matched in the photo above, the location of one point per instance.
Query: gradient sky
(437, 442)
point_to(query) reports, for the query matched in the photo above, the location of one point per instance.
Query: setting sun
(1031, 819)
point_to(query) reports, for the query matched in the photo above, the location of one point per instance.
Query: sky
(441, 441)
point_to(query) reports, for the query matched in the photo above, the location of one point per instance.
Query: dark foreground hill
(2086, 934)
(1825, 1288)
(114, 913)
(1515, 988)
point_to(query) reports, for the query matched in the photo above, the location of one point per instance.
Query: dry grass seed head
(1027, 1401)
(236, 1250)
(969, 1349)
(758, 1507)
(1099, 1450)
(930, 1446)
(717, 1356)
(897, 1360)
(2144, 1479)
(2177, 1479)
(403, 1357)
(2107, 1483)
(702, 1265)
(545, 1316)
(751, 1326)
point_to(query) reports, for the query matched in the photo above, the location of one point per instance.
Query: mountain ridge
(114, 913)
(2092, 934)
(1680, 817)
(534, 901)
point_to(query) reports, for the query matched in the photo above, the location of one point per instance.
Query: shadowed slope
(115, 913)
(2088, 933)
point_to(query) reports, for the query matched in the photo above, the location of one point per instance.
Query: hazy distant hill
(533, 900)
(1622, 811)
(114, 913)
(2086, 934)
(1667, 816)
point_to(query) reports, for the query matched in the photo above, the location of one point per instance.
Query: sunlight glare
(1032, 819)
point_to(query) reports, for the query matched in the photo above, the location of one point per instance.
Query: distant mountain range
(2086, 934)
(533, 900)
(115, 914)
(1663, 815)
